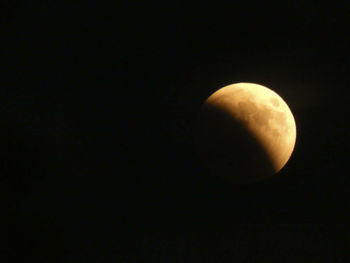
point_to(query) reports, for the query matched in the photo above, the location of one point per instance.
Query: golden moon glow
(245, 133)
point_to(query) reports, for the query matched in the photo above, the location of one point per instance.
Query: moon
(245, 133)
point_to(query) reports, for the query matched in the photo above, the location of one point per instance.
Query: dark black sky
(98, 101)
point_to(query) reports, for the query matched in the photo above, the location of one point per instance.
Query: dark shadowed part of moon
(228, 149)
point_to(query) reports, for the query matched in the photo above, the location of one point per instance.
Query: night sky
(98, 102)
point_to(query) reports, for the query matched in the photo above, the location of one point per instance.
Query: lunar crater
(274, 102)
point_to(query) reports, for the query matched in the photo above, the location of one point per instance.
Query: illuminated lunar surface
(245, 132)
